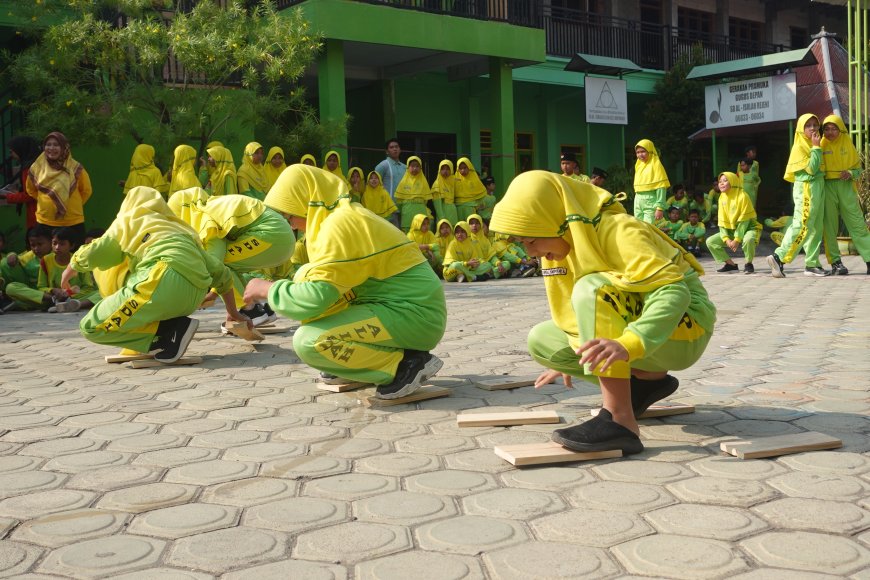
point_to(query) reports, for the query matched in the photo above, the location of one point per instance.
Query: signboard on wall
(760, 100)
(606, 101)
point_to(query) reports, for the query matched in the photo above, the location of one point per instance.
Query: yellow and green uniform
(780, 225)
(841, 199)
(366, 294)
(668, 227)
(704, 209)
(338, 172)
(713, 200)
(428, 240)
(468, 191)
(487, 250)
(459, 254)
(750, 182)
(251, 177)
(508, 251)
(144, 172)
(50, 273)
(170, 272)
(377, 199)
(22, 280)
(682, 203)
(622, 279)
(206, 170)
(183, 169)
(273, 172)
(650, 184)
(238, 230)
(805, 170)
(356, 193)
(737, 221)
(443, 195)
(411, 195)
(443, 241)
(691, 235)
(222, 177)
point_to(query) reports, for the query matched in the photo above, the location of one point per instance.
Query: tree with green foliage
(166, 72)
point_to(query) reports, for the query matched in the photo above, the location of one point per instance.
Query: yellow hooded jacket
(649, 175)
(183, 169)
(417, 236)
(217, 216)
(273, 172)
(338, 170)
(252, 176)
(735, 207)
(223, 174)
(413, 188)
(144, 172)
(840, 154)
(469, 188)
(443, 187)
(799, 158)
(377, 199)
(443, 241)
(462, 251)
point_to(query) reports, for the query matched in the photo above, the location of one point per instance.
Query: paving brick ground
(241, 468)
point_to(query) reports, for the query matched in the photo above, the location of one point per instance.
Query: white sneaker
(71, 305)
(460, 278)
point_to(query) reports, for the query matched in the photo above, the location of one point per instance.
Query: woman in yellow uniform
(274, 165)
(251, 177)
(222, 177)
(443, 189)
(469, 190)
(412, 193)
(144, 172)
(183, 169)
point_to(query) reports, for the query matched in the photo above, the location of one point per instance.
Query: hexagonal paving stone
(115, 431)
(777, 574)
(399, 464)
(548, 478)
(706, 521)
(104, 556)
(734, 468)
(350, 486)
(175, 457)
(518, 504)
(642, 472)
(164, 417)
(829, 462)
(272, 424)
(305, 467)
(72, 526)
(224, 550)
(290, 569)
(184, 520)
(226, 439)
(21, 482)
(352, 542)
(470, 535)
(591, 527)
(679, 557)
(523, 562)
(164, 574)
(436, 444)
(151, 496)
(309, 433)
(278, 400)
(420, 566)
(264, 451)
(821, 486)
(24, 435)
(404, 508)
(452, 482)
(248, 492)
(78, 462)
(620, 496)
(16, 558)
(150, 442)
(478, 460)
(808, 551)
(814, 514)
(296, 514)
(116, 477)
(209, 472)
(17, 463)
(198, 427)
(57, 447)
(422, 417)
(391, 431)
(721, 491)
(242, 413)
(351, 448)
(43, 503)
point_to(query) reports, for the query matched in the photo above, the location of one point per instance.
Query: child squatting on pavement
(627, 303)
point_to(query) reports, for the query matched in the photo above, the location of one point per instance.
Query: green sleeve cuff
(633, 344)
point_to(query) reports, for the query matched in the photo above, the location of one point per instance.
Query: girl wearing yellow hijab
(144, 172)
(238, 230)
(627, 303)
(805, 169)
(308, 159)
(738, 226)
(222, 178)
(425, 240)
(500, 268)
(169, 275)
(332, 164)
(183, 169)
(842, 168)
(371, 307)
(376, 198)
(412, 193)
(251, 177)
(443, 237)
(463, 261)
(650, 183)
(206, 168)
(357, 183)
(443, 193)
(274, 166)
(469, 190)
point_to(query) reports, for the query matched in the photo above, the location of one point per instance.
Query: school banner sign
(760, 100)
(606, 101)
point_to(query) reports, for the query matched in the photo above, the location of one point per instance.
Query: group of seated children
(685, 219)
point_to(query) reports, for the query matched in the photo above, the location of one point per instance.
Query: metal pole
(715, 165)
(588, 148)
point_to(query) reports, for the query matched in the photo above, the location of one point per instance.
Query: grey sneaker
(416, 366)
(777, 270)
(816, 271)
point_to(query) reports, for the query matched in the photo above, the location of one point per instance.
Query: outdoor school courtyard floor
(240, 467)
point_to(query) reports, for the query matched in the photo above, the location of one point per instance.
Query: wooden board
(780, 445)
(122, 358)
(549, 452)
(148, 364)
(423, 393)
(660, 410)
(271, 329)
(241, 330)
(499, 383)
(343, 387)
(499, 419)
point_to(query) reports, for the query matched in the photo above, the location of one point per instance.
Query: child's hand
(548, 377)
(473, 263)
(732, 245)
(68, 274)
(239, 317)
(603, 351)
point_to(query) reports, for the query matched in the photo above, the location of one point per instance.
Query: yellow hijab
(443, 187)
(799, 158)
(734, 205)
(468, 188)
(223, 168)
(337, 171)
(59, 179)
(356, 194)
(309, 157)
(183, 169)
(413, 186)
(649, 175)
(143, 171)
(443, 241)
(416, 235)
(840, 154)
(214, 217)
(273, 172)
(347, 244)
(462, 251)
(377, 199)
(255, 173)
(486, 249)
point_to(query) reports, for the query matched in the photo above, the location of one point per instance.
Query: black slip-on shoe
(600, 433)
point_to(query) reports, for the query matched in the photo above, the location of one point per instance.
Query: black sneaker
(777, 270)
(748, 268)
(257, 314)
(529, 271)
(728, 268)
(600, 433)
(816, 271)
(269, 311)
(174, 336)
(416, 366)
(838, 269)
(484, 277)
(645, 393)
(7, 303)
(330, 379)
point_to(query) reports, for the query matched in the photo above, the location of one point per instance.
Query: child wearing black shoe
(627, 303)
(738, 227)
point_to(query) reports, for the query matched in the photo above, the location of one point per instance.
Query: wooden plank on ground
(271, 329)
(148, 364)
(342, 387)
(660, 410)
(549, 452)
(421, 394)
(499, 383)
(122, 358)
(758, 447)
(502, 419)
(241, 330)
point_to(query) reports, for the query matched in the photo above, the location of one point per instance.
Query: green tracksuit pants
(806, 226)
(453, 270)
(719, 251)
(842, 201)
